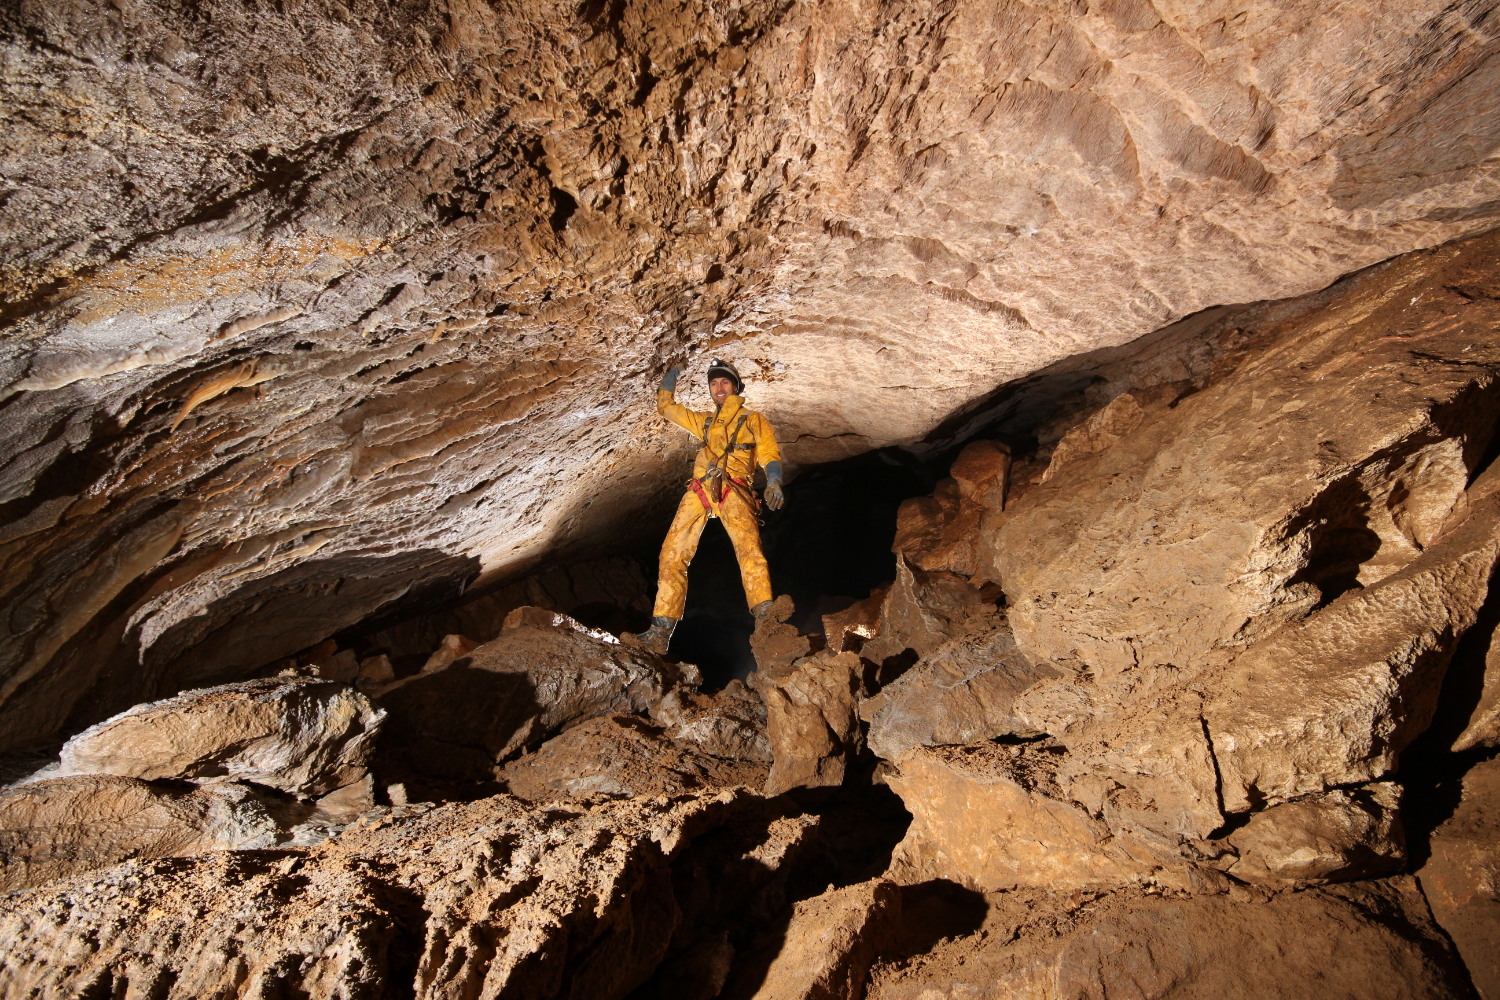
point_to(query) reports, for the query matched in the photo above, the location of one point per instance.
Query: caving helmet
(723, 369)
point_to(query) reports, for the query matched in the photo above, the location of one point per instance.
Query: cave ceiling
(312, 307)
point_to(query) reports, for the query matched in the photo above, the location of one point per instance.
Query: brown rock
(831, 942)
(1214, 522)
(731, 723)
(991, 817)
(58, 827)
(961, 693)
(1107, 427)
(301, 736)
(1481, 728)
(458, 721)
(941, 532)
(921, 612)
(1366, 941)
(1334, 699)
(342, 666)
(777, 645)
(813, 721)
(574, 902)
(454, 647)
(1460, 879)
(622, 755)
(847, 631)
(1336, 836)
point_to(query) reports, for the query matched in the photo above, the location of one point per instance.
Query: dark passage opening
(827, 548)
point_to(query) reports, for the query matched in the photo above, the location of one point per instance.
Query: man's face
(720, 389)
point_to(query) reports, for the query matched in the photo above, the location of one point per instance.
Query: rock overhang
(325, 309)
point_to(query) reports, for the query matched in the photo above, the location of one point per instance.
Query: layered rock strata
(321, 312)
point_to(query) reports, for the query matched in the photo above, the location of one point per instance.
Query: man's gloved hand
(774, 497)
(669, 380)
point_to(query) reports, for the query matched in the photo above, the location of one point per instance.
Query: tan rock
(775, 644)
(622, 755)
(991, 817)
(847, 631)
(58, 827)
(454, 647)
(730, 724)
(830, 943)
(1481, 727)
(1333, 700)
(1337, 836)
(1364, 941)
(342, 666)
(921, 612)
(1461, 876)
(375, 671)
(812, 721)
(301, 736)
(458, 721)
(1214, 522)
(941, 532)
(963, 692)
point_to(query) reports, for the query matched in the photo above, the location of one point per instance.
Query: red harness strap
(696, 486)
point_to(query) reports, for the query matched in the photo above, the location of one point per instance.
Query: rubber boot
(655, 639)
(761, 610)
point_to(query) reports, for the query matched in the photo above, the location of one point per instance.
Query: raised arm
(667, 405)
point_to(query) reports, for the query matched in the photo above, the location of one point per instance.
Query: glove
(669, 380)
(774, 497)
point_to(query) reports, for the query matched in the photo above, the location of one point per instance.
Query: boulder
(1460, 879)
(963, 692)
(830, 943)
(940, 532)
(730, 724)
(1334, 699)
(1481, 724)
(812, 721)
(62, 826)
(847, 631)
(775, 644)
(453, 647)
(991, 817)
(1321, 455)
(623, 755)
(921, 611)
(458, 721)
(1337, 836)
(302, 736)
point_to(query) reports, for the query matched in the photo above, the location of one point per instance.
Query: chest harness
(716, 477)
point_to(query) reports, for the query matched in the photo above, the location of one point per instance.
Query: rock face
(301, 736)
(812, 721)
(622, 756)
(58, 827)
(298, 332)
(1459, 876)
(1374, 942)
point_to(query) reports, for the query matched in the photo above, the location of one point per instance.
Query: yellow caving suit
(749, 441)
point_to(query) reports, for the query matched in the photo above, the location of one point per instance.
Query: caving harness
(719, 482)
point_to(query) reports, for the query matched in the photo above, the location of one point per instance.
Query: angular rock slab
(62, 826)
(1366, 941)
(1325, 452)
(921, 612)
(302, 736)
(1461, 877)
(1335, 837)
(622, 755)
(1334, 699)
(812, 721)
(963, 692)
(990, 818)
(831, 941)
(456, 722)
